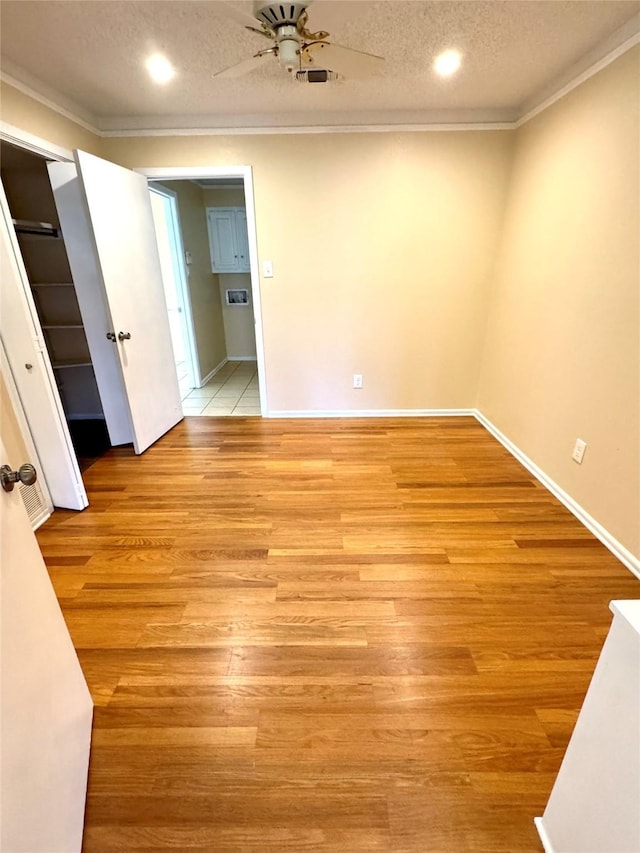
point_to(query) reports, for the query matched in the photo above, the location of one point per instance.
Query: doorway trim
(182, 289)
(181, 173)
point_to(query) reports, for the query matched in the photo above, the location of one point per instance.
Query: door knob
(25, 474)
(111, 336)
(124, 336)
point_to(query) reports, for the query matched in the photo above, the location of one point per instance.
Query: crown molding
(618, 43)
(308, 129)
(37, 94)
(623, 40)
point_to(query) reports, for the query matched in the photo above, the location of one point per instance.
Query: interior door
(45, 705)
(32, 373)
(91, 298)
(124, 240)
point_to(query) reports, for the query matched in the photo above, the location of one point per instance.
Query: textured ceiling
(87, 56)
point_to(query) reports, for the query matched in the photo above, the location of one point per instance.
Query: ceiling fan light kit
(288, 42)
(294, 46)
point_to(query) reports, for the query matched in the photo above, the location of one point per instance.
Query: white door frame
(73, 491)
(174, 229)
(35, 144)
(188, 173)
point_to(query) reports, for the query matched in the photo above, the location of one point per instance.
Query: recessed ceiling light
(447, 63)
(160, 69)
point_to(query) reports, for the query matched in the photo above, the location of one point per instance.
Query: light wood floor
(355, 635)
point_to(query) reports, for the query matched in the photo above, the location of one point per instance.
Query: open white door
(78, 241)
(32, 373)
(45, 707)
(123, 234)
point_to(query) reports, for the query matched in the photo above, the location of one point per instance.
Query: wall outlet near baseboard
(357, 380)
(578, 450)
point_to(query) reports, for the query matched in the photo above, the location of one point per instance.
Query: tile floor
(232, 391)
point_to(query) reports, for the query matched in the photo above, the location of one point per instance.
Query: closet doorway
(37, 227)
(91, 318)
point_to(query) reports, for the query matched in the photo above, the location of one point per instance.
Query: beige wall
(382, 247)
(224, 197)
(204, 287)
(21, 111)
(239, 325)
(562, 357)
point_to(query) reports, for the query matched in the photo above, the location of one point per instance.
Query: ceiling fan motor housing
(276, 15)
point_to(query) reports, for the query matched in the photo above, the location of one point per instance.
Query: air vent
(34, 503)
(316, 75)
(279, 14)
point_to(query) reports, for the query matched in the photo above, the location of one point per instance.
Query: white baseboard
(242, 358)
(40, 520)
(617, 548)
(212, 373)
(373, 413)
(544, 838)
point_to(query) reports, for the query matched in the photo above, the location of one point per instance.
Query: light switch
(267, 269)
(188, 258)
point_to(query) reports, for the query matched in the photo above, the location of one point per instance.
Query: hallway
(234, 390)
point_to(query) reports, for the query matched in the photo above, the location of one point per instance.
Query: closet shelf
(51, 284)
(72, 362)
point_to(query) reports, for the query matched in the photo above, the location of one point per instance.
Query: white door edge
(25, 432)
(175, 234)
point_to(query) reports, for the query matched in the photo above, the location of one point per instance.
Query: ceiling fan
(296, 48)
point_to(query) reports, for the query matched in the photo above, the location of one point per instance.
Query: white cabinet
(228, 240)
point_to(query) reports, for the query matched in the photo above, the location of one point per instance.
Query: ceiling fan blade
(246, 66)
(344, 60)
(230, 11)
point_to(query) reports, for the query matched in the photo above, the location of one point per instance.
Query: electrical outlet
(357, 380)
(578, 451)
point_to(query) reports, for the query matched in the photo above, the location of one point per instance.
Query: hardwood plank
(332, 635)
